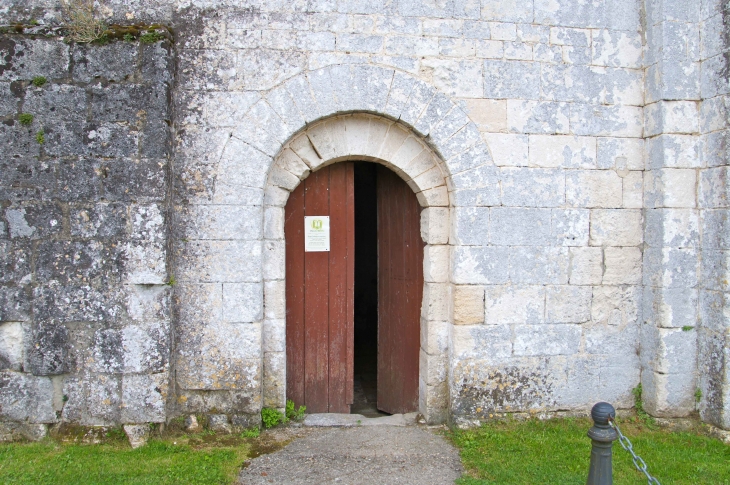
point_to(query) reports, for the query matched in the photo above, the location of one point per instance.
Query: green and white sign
(316, 233)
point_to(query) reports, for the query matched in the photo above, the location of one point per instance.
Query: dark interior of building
(366, 291)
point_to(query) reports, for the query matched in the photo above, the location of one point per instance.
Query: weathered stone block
(15, 303)
(477, 187)
(715, 270)
(143, 398)
(220, 356)
(471, 226)
(538, 265)
(116, 61)
(671, 268)
(617, 49)
(490, 115)
(102, 399)
(622, 266)
(274, 335)
(493, 342)
(606, 120)
(102, 220)
(671, 187)
(537, 117)
(12, 346)
(671, 307)
(218, 222)
(226, 261)
(436, 263)
(669, 350)
(676, 79)
(714, 190)
(532, 187)
(593, 188)
(616, 306)
(518, 226)
(665, 117)
(535, 340)
(678, 228)
(144, 179)
(479, 265)
(275, 372)
(26, 398)
(34, 221)
(435, 336)
(137, 434)
(468, 305)
(616, 227)
(620, 153)
(77, 303)
(14, 261)
(569, 227)
(715, 229)
(514, 304)
(436, 302)
(563, 151)
(673, 151)
(435, 225)
(456, 77)
(586, 266)
(26, 58)
(511, 79)
(715, 148)
(46, 350)
(633, 195)
(669, 395)
(568, 304)
(508, 150)
(145, 263)
(434, 367)
(242, 302)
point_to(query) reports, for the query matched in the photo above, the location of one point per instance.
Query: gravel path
(379, 455)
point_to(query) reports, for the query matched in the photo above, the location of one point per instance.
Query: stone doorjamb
(364, 137)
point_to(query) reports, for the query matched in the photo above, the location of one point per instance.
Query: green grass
(159, 462)
(558, 452)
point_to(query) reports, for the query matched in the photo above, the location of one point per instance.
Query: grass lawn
(558, 452)
(198, 459)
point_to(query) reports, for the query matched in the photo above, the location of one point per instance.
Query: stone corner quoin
(571, 162)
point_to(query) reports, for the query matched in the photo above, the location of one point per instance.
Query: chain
(638, 462)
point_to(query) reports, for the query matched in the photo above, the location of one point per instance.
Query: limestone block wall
(583, 147)
(713, 204)
(84, 305)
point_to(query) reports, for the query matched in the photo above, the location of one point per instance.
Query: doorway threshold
(353, 420)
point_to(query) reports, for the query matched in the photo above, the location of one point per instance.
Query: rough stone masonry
(571, 157)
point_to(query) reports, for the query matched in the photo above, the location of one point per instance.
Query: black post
(603, 436)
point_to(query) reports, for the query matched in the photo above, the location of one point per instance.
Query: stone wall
(713, 197)
(583, 146)
(84, 305)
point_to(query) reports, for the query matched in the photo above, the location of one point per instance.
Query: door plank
(316, 312)
(400, 282)
(294, 234)
(338, 265)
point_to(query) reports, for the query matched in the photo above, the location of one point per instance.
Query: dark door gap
(366, 292)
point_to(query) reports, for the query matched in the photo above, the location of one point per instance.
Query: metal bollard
(603, 436)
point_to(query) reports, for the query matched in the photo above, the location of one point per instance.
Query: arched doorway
(370, 138)
(354, 285)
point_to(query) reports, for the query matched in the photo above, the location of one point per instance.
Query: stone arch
(300, 125)
(360, 136)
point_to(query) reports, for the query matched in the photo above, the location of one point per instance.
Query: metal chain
(638, 462)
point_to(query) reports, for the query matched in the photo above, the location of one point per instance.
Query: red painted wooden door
(320, 294)
(400, 290)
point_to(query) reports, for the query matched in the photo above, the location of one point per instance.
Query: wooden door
(320, 294)
(400, 290)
